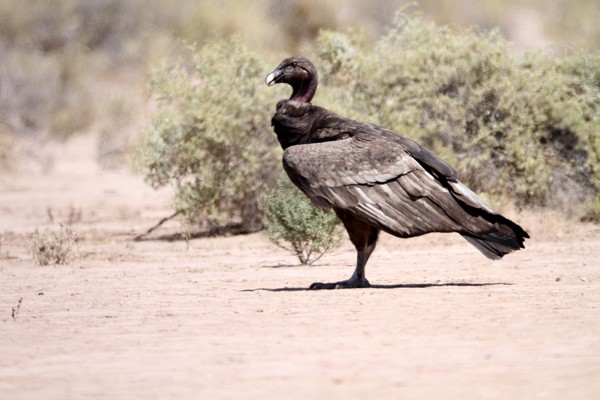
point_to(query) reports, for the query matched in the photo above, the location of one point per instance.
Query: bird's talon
(323, 286)
(349, 284)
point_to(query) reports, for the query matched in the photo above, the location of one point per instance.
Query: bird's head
(300, 74)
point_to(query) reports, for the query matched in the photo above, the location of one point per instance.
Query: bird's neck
(305, 91)
(293, 122)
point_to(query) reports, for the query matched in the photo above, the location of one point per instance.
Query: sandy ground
(228, 318)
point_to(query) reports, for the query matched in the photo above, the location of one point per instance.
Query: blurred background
(75, 66)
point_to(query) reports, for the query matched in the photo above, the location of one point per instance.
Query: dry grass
(53, 247)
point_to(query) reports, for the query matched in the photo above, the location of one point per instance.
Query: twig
(15, 310)
(152, 229)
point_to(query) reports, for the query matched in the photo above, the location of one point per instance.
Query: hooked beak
(271, 79)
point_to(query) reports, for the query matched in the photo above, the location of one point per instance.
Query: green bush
(211, 137)
(524, 128)
(294, 224)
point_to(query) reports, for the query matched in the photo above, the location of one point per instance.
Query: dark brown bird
(375, 179)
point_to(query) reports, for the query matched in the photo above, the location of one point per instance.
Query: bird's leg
(364, 237)
(358, 278)
(359, 272)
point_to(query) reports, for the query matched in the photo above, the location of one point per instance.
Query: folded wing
(377, 180)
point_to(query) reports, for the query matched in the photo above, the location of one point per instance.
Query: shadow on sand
(395, 286)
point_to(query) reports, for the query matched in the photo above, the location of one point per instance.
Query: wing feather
(378, 181)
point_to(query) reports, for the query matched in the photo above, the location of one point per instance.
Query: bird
(375, 179)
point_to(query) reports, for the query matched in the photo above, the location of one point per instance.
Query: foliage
(210, 138)
(524, 127)
(54, 247)
(294, 224)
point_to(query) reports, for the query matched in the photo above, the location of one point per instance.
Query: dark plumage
(375, 179)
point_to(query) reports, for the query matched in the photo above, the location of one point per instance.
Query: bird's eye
(290, 68)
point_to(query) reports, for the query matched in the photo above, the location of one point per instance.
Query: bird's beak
(271, 79)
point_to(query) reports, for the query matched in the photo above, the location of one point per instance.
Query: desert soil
(228, 317)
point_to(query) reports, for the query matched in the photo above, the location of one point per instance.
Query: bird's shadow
(393, 286)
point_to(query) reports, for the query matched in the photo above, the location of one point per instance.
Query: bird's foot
(348, 284)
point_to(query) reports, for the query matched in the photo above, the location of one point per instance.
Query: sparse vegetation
(53, 247)
(294, 224)
(211, 139)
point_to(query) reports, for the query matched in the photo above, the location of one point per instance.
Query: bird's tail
(505, 237)
(495, 241)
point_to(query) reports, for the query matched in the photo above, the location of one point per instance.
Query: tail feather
(505, 238)
(491, 250)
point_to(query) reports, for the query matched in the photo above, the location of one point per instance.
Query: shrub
(211, 139)
(520, 127)
(54, 247)
(294, 224)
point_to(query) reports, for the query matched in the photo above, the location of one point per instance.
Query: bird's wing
(377, 180)
(334, 125)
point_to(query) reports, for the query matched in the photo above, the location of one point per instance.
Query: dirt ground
(228, 318)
